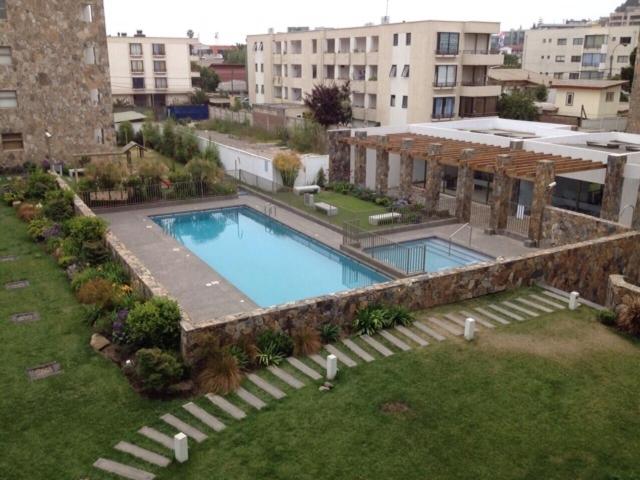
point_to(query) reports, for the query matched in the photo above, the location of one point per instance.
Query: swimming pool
(266, 260)
(437, 255)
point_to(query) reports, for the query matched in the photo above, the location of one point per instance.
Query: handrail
(458, 231)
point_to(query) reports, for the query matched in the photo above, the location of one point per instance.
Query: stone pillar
(633, 124)
(360, 164)
(500, 195)
(382, 167)
(434, 179)
(613, 182)
(406, 168)
(635, 222)
(545, 175)
(464, 189)
(339, 155)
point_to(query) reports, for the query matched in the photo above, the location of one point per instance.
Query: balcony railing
(447, 52)
(482, 51)
(438, 84)
(475, 83)
(442, 116)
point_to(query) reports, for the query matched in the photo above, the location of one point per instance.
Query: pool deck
(205, 294)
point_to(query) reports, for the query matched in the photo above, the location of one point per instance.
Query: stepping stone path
(395, 341)
(319, 360)
(506, 312)
(275, 392)
(380, 348)
(490, 315)
(158, 437)
(16, 285)
(286, 377)
(44, 371)
(205, 417)
(28, 317)
(529, 303)
(342, 357)
(526, 311)
(184, 427)
(428, 330)
(452, 329)
(226, 405)
(548, 301)
(8, 258)
(302, 367)
(481, 321)
(143, 454)
(250, 398)
(122, 470)
(411, 335)
(359, 351)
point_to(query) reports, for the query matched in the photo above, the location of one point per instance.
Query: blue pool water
(437, 256)
(266, 260)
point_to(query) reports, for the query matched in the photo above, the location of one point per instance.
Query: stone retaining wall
(562, 227)
(617, 289)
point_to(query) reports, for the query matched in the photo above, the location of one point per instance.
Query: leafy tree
(199, 97)
(330, 104)
(517, 105)
(209, 79)
(168, 144)
(125, 133)
(237, 55)
(628, 73)
(151, 135)
(511, 61)
(190, 33)
(541, 93)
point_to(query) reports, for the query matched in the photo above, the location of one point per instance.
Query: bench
(382, 218)
(329, 210)
(306, 189)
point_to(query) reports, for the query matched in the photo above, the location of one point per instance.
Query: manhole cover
(16, 285)
(8, 258)
(44, 371)
(25, 317)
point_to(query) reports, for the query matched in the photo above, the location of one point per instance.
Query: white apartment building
(624, 16)
(579, 52)
(399, 73)
(151, 71)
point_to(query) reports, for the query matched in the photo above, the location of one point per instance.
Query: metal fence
(252, 180)
(447, 203)
(518, 219)
(480, 215)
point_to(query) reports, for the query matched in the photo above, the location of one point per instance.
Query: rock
(99, 342)
(16, 203)
(328, 385)
(71, 270)
(112, 352)
(323, 388)
(183, 388)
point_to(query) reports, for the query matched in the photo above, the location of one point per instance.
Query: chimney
(139, 34)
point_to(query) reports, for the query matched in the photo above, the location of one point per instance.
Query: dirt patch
(396, 408)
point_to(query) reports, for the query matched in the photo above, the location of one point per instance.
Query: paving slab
(452, 329)
(360, 352)
(548, 301)
(44, 371)
(394, 340)
(479, 320)
(205, 417)
(530, 303)
(342, 357)
(526, 311)
(250, 398)
(506, 312)
(304, 368)
(158, 437)
(143, 454)
(16, 285)
(226, 405)
(26, 317)
(491, 315)
(411, 335)
(275, 392)
(429, 331)
(286, 377)
(320, 360)
(184, 427)
(556, 296)
(122, 470)
(455, 319)
(8, 258)
(376, 345)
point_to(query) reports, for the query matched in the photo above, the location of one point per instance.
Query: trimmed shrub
(86, 229)
(151, 170)
(38, 227)
(607, 317)
(151, 135)
(306, 341)
(27, 212)
(321, 179)
(629, 315)
(329, 333)
(39, 183)
(212, 154)
(218, 369)
(99, 292)
(202, 170)
(58, 205)
(288, 164)
(157, 370)
(369, 320)
(155, 323)
(273, 347)
(110, 271)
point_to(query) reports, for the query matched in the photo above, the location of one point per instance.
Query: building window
(262, 89)
(569, 99)
(625, 40)
(594, 41)
(158, 49)
(8, 99)
(393, 101)
(395, 39)
(405, 71)
(257, 88)
(562, 41)
(446, 75)
(586, 75)
(262, 67)
(256, 68)
(137, 66)
(557, 75)
(443, 107)
(159, 66)
(593, 59)
(559, 58)
(408, 39)
(621, 59)
(5, 56)
(137, 83)
(609, 97)
(574, 75)
(405, 101)
(314, 46)
(394, 71)
(98, 134)
(161, 82)
(90, 55)
(94, 95)
(3, 10)
(12, 141)
(576, 58)
(578, 41)
(87, 12)
(135, 49)
(314, 71)
(448, 43)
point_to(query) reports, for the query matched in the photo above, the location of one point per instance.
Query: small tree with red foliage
(330, 104)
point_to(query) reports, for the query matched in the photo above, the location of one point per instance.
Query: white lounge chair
(382, 218)
(306, 189)
(329, 210)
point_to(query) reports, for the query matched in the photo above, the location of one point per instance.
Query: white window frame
(569, 98)
(5, 56)
(8, 99)
(88, 15)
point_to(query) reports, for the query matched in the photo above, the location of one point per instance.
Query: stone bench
(306, 189)
(329, 210)
(382, 218)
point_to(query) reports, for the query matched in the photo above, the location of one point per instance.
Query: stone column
(545, 175)
(434, 179)
(613, 182)
(382, 167)
(360, 165)
(500, 195)
(339, 155)
(635, 222)
(406, 168)
(464, 188)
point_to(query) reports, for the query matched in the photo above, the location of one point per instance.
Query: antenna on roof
(386, 12)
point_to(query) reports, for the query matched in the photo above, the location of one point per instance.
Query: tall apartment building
(579, 52)
(152, 71)
(399, 73)
(627, 14)
(55, 97)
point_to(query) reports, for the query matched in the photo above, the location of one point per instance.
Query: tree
(511, 61)
(168, 144)
(541, 93)
(199, 97)
(209, 79)
(125, 133)
(628, 73)
(517, 105)
(190, 33)
(237, 55)
(330, 104)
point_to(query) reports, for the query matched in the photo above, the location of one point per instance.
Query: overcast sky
(234, 20)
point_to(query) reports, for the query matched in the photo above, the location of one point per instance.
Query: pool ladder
(270, 210)
(458, 231)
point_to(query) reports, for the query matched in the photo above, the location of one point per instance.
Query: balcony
(277, 80)
(443, 116)
(447, 52)
(444, 85)
(482, 57)
(480, 90)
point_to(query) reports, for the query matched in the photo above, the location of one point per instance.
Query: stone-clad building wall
(57, 91)
(562, 227)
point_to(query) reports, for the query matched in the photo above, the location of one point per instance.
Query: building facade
(568, 52)
(55, 96)
(152, 71)
(628, 14)
(398, 73)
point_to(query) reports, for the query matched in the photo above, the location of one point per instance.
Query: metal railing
(466, 225)
(447, 203)
(518, 219)
(480, 215)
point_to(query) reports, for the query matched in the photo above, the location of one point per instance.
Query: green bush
(329, 333)
(168, 143)
(212, 154)
(151, 135)
(307, 137)
(37, 228)
(39, 183)
(374, 318)
(607, 317)
(125, 133)
(86, 229)
(58, 205)
(321, 179)
(155, 323)
(273, 347)
(157, 370)
(110, 271)
(395, 315)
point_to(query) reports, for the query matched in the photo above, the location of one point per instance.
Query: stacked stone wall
(562, 227)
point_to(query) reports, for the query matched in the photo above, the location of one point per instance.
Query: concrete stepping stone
(27, 317)
(286, 377)
(479, 320)
(395, 340)
(455, 319)
(226, 405)
(158, 437)
(205, 417)
(491, 315)
(535, 305)
(143, 454)
(556, 296)
(518, 308)
(8, 258)
(360, 352)
(380, 348)
(304, 368)
(411, 335)
(506, 312)
(44, 371)
(322, 361)
(452, 329)
(548, 301)
(342, 357)
(429, 331)
(16, 285)
(250, 398)
(275, 392)
(124, 471)
(183, 427)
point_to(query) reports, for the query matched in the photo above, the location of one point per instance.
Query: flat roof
(586, 84)
(130, 116)
(516, 75)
